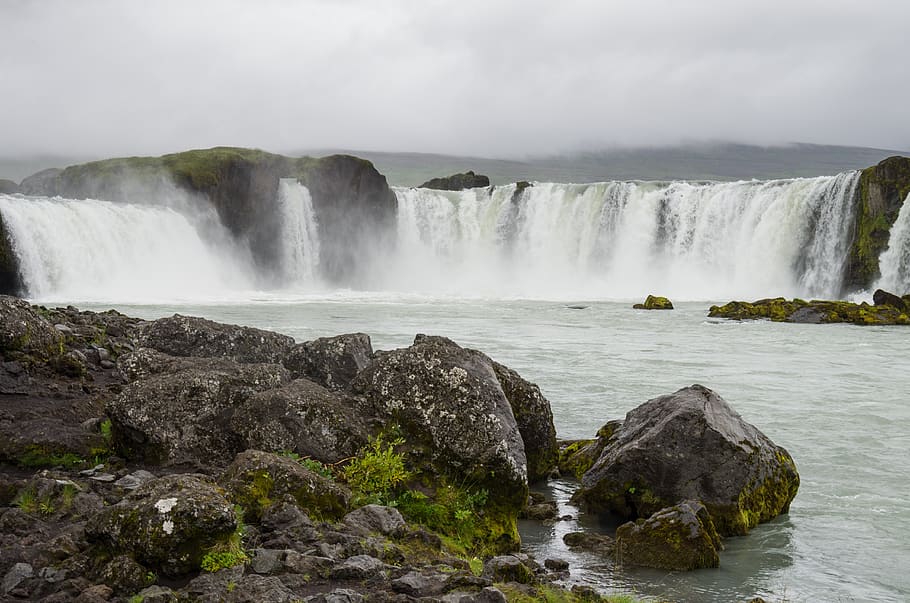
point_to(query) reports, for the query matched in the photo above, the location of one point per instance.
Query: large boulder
(655, 302)
(332, 362)
(457, 182)
(167, 524)
(452, 413)
(257, 479)
(301, 417)
(192, 336)
(691, 445)
(457, 424)
(534, 419)
(23, 332)
(678, 538)
(180, 413)
(884, 298)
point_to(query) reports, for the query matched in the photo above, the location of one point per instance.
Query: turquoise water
(836, 396)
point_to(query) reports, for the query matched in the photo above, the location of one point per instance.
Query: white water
(96, 250)
(300, 234)
(895, 260)
(620, 240)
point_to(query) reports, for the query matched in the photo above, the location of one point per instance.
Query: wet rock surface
(818, 311)
(691, 445)
(677, 538)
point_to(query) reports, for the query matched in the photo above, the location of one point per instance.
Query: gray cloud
(485, 78)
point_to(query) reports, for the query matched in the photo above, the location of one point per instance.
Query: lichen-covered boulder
(655, 302)
(457, 424)
(167, 524)
(23, 332)
(182, 415)
(535, 421)
(691, 445)
(191, 336)
(332, 362)
(301, 417)
(257, 479)
(678, 538)
(452, 413)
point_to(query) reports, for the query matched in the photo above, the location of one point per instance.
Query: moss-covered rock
(256, 480)
(881, 193)
(690, 445)
(577, 456)
(655, 302)
(813, 312)
(10, 279)
(24, 333)
(168, 524)
(678, 538)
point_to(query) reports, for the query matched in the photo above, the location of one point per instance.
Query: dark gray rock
(508, 568)
(541, 511)
(883, 298)
(690, 445)
(557, 565)
(192, 336)
(589, 541)
(489, 594)
(332, 362)
(358, 567)
(535, 421)
(457, 182)
(301, 417)
(678, 538)
(376, 518)
(256, 589)
(167, 524)
(157, 594)
(15, 576)
(267, 561)
(417, 584)
(124, 575)
(23, 332)
(255, 479)
(452, 413)
(184, 417)
(339, 595)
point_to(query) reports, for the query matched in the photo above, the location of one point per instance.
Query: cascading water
(627, 239)
(895, 260)
(88, 250)
(300, 236)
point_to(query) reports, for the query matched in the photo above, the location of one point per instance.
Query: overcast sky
(485, 78)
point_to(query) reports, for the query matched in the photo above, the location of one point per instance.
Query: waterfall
(626, 239)
(894, 262)
(300, 233)
(97, 250)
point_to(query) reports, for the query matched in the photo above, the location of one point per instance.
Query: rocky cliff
(354, 206)
(881, 193)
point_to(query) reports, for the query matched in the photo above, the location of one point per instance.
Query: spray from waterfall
(96, 250)
(894, 262)
(627, 239)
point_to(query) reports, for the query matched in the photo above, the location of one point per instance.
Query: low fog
(507, 79)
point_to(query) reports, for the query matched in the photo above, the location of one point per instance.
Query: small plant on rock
(229, 553)
(377, 471)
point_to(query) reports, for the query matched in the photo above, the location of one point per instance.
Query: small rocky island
(888, 309)
(186, 460)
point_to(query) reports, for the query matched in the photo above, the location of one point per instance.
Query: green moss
(254, 493)
(41, 456)
(655, 302)
(781, 310)
(228, 553)
(576, 458)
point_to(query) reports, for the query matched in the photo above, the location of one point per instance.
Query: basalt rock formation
(882, 191)
(457, 182)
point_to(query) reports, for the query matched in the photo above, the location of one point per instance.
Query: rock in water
(679, 538)
(883, 298)
(690, 445)
(654, 302)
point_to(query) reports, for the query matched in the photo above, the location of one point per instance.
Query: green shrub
(376, 471)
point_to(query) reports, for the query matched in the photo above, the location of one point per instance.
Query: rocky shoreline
(186, 460)
(888, 309)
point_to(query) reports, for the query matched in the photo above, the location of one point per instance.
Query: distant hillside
(691, 162)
